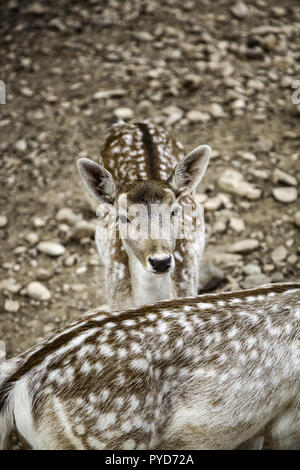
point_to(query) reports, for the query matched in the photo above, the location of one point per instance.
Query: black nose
(160, 265)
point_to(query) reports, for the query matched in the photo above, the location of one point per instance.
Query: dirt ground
(232, 65)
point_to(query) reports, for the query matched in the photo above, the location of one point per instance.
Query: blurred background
(212, 72)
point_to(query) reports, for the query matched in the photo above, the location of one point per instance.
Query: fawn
(144, 180)
(209, 372)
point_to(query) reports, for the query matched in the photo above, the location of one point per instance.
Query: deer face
(148, 210)
(147, 222)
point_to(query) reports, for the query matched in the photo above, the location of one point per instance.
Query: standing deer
(209, 372)
(143, 166)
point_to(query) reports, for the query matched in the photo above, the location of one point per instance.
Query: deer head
(147, 210)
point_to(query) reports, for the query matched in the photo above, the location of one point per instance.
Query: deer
(144, 179)
(216, 371)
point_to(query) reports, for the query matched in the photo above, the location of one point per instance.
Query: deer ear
(190, 170)
(97, 180)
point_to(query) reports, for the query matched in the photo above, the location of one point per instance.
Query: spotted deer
(210, 372)
(142, 166)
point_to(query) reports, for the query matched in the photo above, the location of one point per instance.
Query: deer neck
(147, 287)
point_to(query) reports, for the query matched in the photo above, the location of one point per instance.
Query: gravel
(36, 290)
(51, 248)
(285, 195)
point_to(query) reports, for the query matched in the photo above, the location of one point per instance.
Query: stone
(36, 290)
(143, 36)
(123, 113)
(83, 229)
(174, 114)
(240, 10)
(285, 195)
(250, 157)
(51, 248)
(237, 224)
(251, 269)
(231, 180)
(70, 260)
(10, 285)
(256, 84)
(264, 145)
(192, 80)
(11, 306)
(219, 226)
(43, 274)
(213, 203)
(21, 145)
(210, 277)
(32, 238)
(226, 259)
(216, 110)
(279, 254)
(109, 93)
(297, 218)
(280, 176)
(256, 280)
(244, 246)
(65, 214)
(197, 116)
(238, 104)
(2, 351)
(3, 221)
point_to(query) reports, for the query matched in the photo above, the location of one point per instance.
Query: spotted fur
(210, 372)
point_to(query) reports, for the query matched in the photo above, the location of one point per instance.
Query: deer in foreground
(209, 372)
(143, 166)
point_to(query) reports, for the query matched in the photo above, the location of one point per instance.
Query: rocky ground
(219, 73)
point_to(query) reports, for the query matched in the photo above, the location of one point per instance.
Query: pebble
(251, 269)
(232, 181)
(197, 116)
(250, 157)
(123, 113)
(83, 229)
(244, 246)
(32, 238)
(21, 145)
(280, 176)
(264, 145)
(51, 248)
(238, 104)
(109, 93)
(285, 195)
(297, 218)
(70, 260)
(216, 110)
(11, 306)
(36, 290)
(65, 214)
(10, 285)
(279, 254)
(255, 280)
(43, 274)
(210, 277)
(213, 203)
(2, 351)
(237, 224)
(3, 221)
(240, 10)
(226, 259)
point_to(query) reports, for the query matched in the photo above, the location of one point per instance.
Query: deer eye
(174, 211)
(124, 219)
